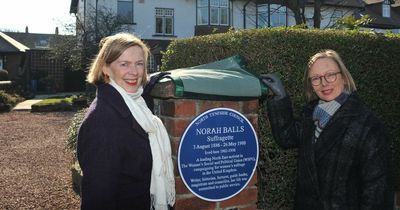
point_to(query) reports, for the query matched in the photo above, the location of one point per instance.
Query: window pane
(278, 15)
(125, 11)
(223, 3)
(202, 3)
(224, 16)
(202, 16)
(214, 3)
(386, 10)
(159, 25)
(168, 26)
(214, 16)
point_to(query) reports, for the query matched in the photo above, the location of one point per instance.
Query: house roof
(32, 40)
(8, 44)
(73, 8)
(381, 22)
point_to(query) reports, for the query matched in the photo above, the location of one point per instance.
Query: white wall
(185, 15)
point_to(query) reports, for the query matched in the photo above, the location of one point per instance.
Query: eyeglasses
(329, 78)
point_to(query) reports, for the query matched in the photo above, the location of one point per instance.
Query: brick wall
(177, 115)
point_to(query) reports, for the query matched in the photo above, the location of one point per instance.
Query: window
(213, 12)
(262, 16)
(271, 15)
(278, 15)
(386, 8)
(164, 21)
(125, 11)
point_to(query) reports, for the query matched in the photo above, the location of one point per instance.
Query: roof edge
(13, 42)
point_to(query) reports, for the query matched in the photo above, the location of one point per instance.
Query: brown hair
(349, 85)
(111, 48)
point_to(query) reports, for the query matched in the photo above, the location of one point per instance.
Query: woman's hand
(274, 84)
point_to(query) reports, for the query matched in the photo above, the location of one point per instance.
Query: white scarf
(162, 187)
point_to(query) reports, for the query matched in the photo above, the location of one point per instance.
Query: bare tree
(101, 23)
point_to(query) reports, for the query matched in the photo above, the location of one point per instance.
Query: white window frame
(213, 12)
(164, 14)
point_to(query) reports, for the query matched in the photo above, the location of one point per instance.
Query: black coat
(114, 154)
(347, 169)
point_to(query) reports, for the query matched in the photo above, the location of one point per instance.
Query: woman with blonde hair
(343, 153)
(123, 149)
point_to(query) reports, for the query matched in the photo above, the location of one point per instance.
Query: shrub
(3, 75)
(8, 101)
(72, 133)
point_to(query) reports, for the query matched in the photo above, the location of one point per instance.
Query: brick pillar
(177, 115)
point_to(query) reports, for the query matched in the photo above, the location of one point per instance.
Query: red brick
(253, 120)
(176, 127)
(247, 196)
(206, 105)
(178, 108)
(194, 203)
(251, 207)
(250, 107)
(253, 180)
(175, 141)
(180, 186)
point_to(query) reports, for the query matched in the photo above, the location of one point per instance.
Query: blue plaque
(218, 154)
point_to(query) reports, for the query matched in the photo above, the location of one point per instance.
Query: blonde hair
(349, 85)
(111, 48)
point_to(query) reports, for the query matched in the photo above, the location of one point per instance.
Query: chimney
(56, 31)
(26, 29)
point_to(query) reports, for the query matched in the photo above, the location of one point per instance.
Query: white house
(159, 21)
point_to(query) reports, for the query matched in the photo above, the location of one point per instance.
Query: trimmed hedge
(57, 104)
(373, 60)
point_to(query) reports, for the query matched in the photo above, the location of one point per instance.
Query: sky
(41, 16)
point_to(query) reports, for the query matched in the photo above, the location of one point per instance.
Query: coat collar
(110, 95)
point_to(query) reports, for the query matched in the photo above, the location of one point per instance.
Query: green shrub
(3, 75)
(8, 101)
(69, 103)
(72, 133)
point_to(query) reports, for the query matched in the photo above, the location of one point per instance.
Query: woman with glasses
(343, 153)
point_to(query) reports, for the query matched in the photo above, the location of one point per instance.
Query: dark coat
(114, 154)
(347, 169)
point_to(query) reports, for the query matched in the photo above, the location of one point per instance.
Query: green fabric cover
(226, 78)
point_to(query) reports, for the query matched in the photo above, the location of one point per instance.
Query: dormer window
(386, 9)
(213, 12)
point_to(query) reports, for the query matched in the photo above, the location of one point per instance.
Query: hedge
(373, 59)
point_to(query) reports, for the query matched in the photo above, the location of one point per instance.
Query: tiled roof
(11, 45)
(33, 40)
